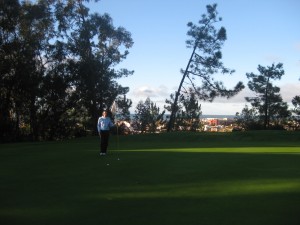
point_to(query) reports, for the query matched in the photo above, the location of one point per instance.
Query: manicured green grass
(243, 178)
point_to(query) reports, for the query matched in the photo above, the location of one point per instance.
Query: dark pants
(104, 140)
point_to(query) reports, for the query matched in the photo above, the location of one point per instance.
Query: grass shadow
(68, 183)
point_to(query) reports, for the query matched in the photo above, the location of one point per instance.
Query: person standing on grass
(104, 124)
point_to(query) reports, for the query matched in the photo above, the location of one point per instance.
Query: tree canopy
(58, 67)
(206, 40)
(268, 102)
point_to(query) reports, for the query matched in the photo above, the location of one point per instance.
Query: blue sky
(259, 32)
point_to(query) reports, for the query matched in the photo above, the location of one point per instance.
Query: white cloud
(151, 92)
(239, 98)
(289, 91)
(157, 95)
(220, 106)
(217, 108)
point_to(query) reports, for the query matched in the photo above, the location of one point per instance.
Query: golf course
(177, 178)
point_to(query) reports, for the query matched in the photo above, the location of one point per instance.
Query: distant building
(217, 124)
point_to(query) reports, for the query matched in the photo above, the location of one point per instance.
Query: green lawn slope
(242, 178)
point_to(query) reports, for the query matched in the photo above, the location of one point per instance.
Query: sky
(259, 32)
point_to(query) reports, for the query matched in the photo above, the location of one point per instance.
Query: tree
(123, 108)
(296, 112)
(54, 105)
(279, 112)
(8, 51)
(25, 31)
(97, 47)
(248, 119)
(57, 67)
(268, 102)
(188, 113)
(177, 120)
(205, 61)
(192, 112)
(148, 117)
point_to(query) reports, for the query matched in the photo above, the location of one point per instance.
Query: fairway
(246, 178)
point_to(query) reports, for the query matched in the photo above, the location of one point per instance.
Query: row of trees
(149, 118)
(267, 109)
(58, 72)
(57, 67)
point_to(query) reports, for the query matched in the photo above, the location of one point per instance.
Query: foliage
(205, 61)
(296, 113)
(25, 30)
(268, 102)
(123, 108)
(99, 46)
(188, 113)
(148, 117)
(57, 68)
(248, 119)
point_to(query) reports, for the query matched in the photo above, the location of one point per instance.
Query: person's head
(104, 113)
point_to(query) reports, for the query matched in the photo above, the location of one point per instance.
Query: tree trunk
(266, 125)
(174, 106)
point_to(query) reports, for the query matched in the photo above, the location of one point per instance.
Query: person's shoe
(102, 154)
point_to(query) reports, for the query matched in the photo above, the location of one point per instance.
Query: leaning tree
(205, 62)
